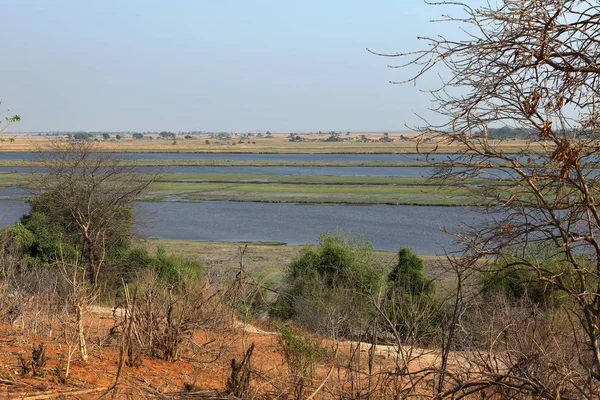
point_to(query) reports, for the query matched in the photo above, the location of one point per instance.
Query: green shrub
(528, 276)
(328, 282)
(411, 303)
(19, 235)
(516, 283)
(128, 265)
(416, 319)
(169, 267)
(56, 236)
(176, 268)
(45, 242)
(407, 275)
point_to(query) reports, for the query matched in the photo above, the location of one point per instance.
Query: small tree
(167, 135)
(410, 304)
(407, 275)
(327, 282)
(82, 136)
(86, 201)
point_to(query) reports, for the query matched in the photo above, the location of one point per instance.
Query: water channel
(387, 227)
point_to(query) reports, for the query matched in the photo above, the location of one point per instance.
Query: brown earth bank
(204, 369)
(232, 361)
(151, 378)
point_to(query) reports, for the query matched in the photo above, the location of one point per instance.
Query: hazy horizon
(393, 132)
(211, 66)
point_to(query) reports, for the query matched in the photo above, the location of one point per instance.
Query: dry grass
(279, 143)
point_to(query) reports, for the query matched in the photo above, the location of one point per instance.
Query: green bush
(416, 319)
(407, 275)
(45, 242)
(128, 265)
(516, 283)
(57, 235)
(19, 235)
(328, 282)
(169, 267)
(410, 302)
(529, 275)
(176, 268)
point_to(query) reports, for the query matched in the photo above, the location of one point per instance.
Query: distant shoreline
(355, 143)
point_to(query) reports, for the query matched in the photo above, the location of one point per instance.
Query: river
(252, 156)
(388, 227)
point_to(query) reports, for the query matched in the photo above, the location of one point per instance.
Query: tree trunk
(81, 333)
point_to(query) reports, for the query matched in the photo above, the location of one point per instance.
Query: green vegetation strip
(265, 260)
(275, 163)
(314, 189)
(13, 179)
(218, 177)
(311, 193)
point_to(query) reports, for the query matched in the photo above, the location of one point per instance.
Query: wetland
(389, 199)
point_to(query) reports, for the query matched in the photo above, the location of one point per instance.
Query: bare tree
(77, 296)
(534, 66)
(90, 196)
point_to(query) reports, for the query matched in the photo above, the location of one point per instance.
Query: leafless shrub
(15, 285)
(26, 295)
(520, 349)
(534, 66)
(336, 313)
(238, 383)
(165, 316)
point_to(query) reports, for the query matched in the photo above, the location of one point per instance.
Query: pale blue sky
(228, 65)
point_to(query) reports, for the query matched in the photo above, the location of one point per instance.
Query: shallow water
(278, 170)
(387, 227)
(407, 172)
(248, 156)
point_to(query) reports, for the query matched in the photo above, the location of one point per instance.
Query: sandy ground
(207, 369)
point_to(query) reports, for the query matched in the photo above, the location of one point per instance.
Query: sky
(214, 65)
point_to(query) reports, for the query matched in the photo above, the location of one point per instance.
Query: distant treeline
(506, 132)
(122, 133)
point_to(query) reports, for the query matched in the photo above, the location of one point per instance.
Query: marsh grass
(315, 193)
(317, 189)
(266, 260)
